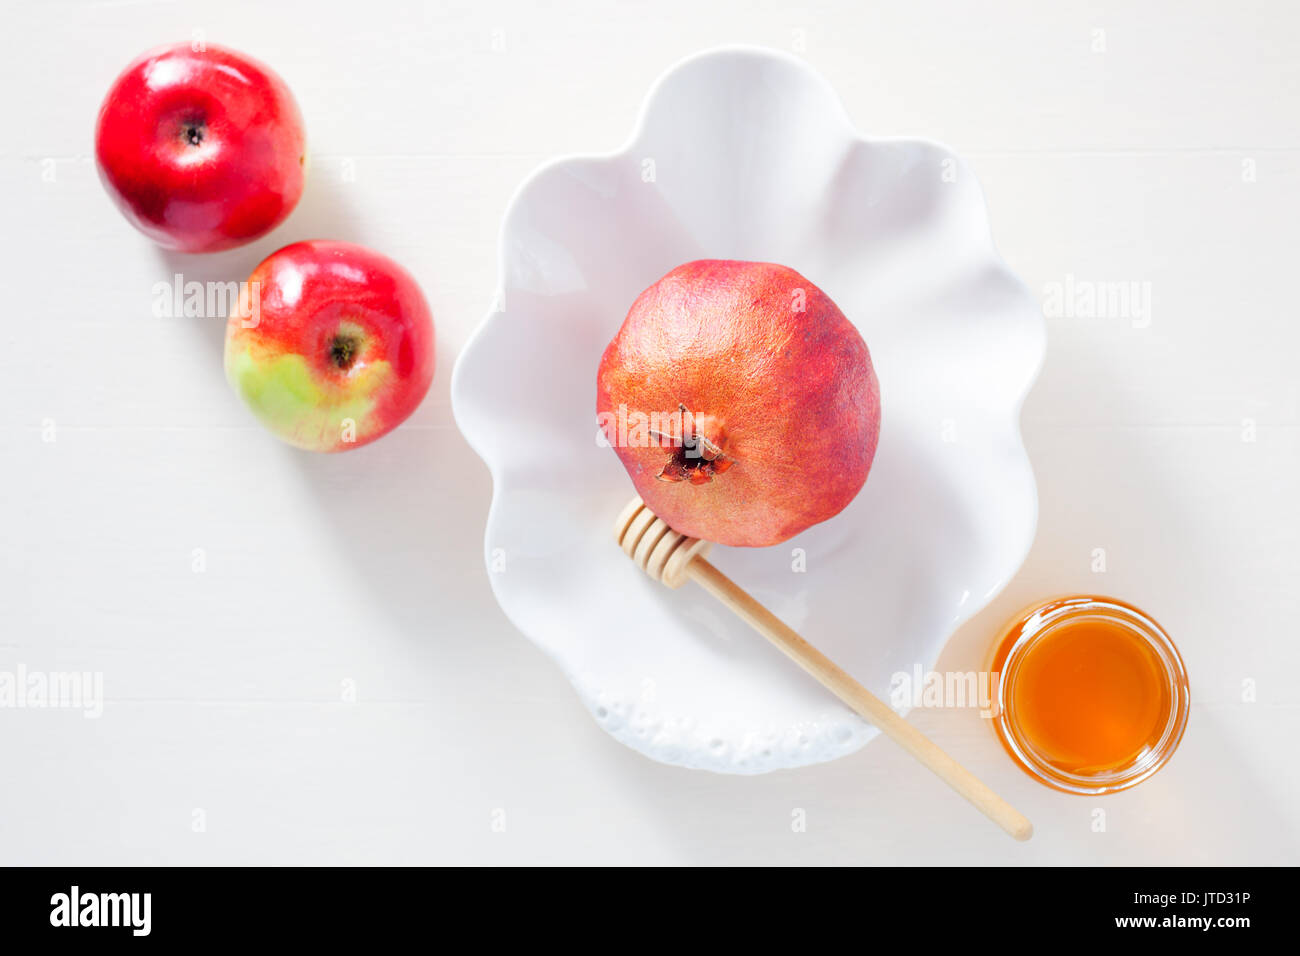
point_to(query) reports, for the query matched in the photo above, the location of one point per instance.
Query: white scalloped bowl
(747, 154)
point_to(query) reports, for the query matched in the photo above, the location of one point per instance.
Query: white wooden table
(302, 661)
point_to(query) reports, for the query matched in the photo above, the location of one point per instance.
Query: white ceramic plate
(747, 154)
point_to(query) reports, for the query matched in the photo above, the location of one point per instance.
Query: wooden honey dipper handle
(673, 558)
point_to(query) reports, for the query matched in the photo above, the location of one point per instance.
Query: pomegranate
(741, 401)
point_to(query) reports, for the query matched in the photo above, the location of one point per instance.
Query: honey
(1092, 694)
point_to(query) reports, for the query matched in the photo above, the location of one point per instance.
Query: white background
(1114, 144)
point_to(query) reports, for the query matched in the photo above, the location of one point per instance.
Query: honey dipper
(672, 558)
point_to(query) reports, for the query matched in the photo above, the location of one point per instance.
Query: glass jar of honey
(1092, 695)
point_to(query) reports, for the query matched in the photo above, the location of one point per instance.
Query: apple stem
(343, 351)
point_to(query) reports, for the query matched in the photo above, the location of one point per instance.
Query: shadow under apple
(408, 511)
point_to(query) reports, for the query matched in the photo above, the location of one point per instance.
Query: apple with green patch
(331, 345)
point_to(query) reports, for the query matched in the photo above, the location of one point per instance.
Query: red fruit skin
(240, 180)
(308, 289)
(788, 401)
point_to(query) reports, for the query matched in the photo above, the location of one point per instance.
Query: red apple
(201, 149)
(331, 345)
(742, 402)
